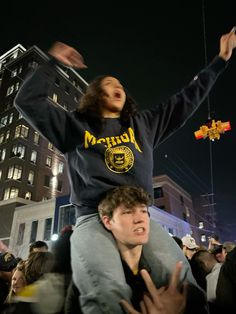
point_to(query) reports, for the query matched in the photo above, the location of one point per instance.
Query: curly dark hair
(90, 104)
(127, 195)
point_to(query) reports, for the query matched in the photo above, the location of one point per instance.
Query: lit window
(60, 167)
(10, 193)
(200, 225)
(14, 172)
(2, 154)
(28, 195)
(203, 238)
(21, 131)
(36, 138)
(50, 146)
(54, 97)
(49, 161)
(31, 177)
(18, 150)
(33, 156)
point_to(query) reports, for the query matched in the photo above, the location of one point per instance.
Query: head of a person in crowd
(18, 281)
(38, 264)
(61, 251)
(206, 260)
(38, 246)
(189, 246)
(8, 262)
(220, 251)
(178, 241)
(124, 212)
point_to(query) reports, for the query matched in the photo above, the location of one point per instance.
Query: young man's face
(130, 226)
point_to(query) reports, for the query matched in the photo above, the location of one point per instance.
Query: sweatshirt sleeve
(165, 118)
(32, 101)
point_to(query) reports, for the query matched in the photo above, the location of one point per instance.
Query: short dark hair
(37, 244)
(127, 195)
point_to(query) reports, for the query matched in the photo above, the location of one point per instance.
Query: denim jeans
(97, 267)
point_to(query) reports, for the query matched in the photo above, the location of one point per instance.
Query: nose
(137, 218)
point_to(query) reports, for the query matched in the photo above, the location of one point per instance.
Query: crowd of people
(108, 144)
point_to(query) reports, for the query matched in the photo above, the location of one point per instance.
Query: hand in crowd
(165, 300)
(227, 44)
(67, 55)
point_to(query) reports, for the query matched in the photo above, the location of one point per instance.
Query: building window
(57, 81)
(18, 150)
(50, 146)
(10, 90)
(3, 121)
(49, 161)
(2, 154)
(7, 135)
(21, 131)
(14, 172)
(66, 216)
(59, 186)
(1, 138)
(60, 167)
(10, 193)
(21, 232)
(203, 238)
(34, 229)
(36, 138)
(47, 229)
(11, 118)
(47, 181)
(31, 177)
(54, 97)
(33, 157)
(158, 192)
(200, 225)
(13, 72)
(28, 195)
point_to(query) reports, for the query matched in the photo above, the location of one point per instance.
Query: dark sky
(154, 50)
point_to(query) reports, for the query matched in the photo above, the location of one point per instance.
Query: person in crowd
(212, 269)
(38, 246)
(189, 246)
(18, 281)
(8, 263)
(124, 212)
(107, 142)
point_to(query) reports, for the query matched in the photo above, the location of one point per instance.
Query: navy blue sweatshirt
(118, 155)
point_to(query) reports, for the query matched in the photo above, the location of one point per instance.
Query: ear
(106, 220)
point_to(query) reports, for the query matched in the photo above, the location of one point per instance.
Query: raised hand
(67, 55)
(227, 44)
(166, 300)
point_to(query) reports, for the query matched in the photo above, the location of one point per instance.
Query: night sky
(154, 51)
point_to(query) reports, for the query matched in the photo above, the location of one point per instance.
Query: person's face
(114, 98)
(18, 281)
(130, 226)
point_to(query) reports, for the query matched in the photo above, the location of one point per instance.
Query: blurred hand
(166, 300)
(67, 55)
(227, 44)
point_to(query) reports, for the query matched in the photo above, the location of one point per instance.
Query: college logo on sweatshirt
(118, 159)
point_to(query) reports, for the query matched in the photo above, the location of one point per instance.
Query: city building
(30, 167)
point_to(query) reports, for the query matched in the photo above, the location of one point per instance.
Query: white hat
(189, 242)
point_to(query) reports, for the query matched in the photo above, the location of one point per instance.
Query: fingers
(129, 308)
(149, 283)
(233, 29)
(174, 280)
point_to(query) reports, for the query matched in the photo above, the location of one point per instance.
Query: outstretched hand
(67, 55)
(227, 44)
(165, 300)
